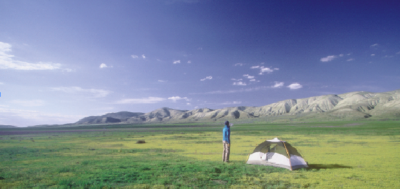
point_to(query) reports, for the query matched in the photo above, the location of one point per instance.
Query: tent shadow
(327, 166)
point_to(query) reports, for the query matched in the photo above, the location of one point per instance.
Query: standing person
(226, 140)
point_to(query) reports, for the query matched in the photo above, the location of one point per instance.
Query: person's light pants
(225, 153)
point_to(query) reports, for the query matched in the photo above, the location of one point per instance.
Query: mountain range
(348, 106)
(7, 126)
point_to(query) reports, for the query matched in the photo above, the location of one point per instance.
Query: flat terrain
(340, 155)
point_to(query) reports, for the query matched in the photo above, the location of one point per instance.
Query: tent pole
(290, 163)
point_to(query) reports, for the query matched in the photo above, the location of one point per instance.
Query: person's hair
(227, 123)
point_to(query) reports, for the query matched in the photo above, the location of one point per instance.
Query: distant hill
(117, 117)
(348, 106)
(7, 126)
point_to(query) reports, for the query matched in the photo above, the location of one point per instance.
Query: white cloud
(341, 55)
(175, 98)
(295, 86)
(239, 64)
(189, 62)
(278, 84)
(267, 70)
(328, 58)
(206, 78)
(233, 79)
(102, 65)
(239, 83)
(162, 81)
(188, 104)
(372, 54)
(148, 100)
(374, 45)
(1, 83)
(134, 56)
(7, 61)
(264, 69)
(143, 56)
(28, 102)
(68, 70)
(73, 90)
(234, 91)
(398, 52)
(231, 103)
(248, 76)
(177, 62)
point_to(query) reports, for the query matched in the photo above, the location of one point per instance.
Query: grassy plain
(340, 155)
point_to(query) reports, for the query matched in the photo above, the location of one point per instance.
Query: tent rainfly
(277, 153)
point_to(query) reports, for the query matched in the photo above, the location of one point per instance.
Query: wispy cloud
(295, 86)
(239, 83)
(350, 59)
(143, 56)
(175, 98)
(374, 45)
(231, 103)
(7, 61)
(233, 91)
(103, 65)
(372, 54)
(206, 78)
(176, 62)
(267, 70)
(189, 62)
(264, 69)
(248, 76)
(1, 83)
(11, 116)
(148, 100)
(239, 64)
(134, 56)
(162, 81)
(328, 58)
(28, 103)
(278, 84)
(98, 93)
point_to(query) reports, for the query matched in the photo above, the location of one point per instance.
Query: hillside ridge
(352, 105)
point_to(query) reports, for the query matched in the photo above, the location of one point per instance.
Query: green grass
(340, 154)
(152, 167)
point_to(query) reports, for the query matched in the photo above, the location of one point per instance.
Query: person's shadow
(327, 166)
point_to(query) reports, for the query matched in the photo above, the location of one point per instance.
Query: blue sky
(63, 60)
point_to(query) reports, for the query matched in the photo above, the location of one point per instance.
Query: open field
(340, 154)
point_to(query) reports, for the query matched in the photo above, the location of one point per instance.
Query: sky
(64, 60)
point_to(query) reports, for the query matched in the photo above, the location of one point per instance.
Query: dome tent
(277, 153)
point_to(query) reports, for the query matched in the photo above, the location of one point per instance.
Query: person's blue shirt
(226, 134)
